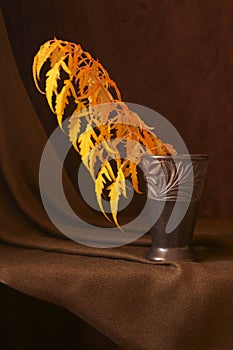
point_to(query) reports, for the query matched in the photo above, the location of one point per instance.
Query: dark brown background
(172, 56)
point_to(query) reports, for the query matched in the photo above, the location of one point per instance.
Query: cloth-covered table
(138, 304)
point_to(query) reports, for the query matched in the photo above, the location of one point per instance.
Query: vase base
(171, 254)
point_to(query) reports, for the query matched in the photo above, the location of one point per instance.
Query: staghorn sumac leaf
(62, 101)
(134, 176)
(105, 173)
(74, 130)
(87, 141)
(53, 75)
(40, 59)
(99, 132)
(116, 189)
(95, 154)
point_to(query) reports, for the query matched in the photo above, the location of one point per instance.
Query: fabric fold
(136, 303)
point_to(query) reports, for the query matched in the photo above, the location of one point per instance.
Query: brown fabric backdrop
(172, 56)
(140, 306)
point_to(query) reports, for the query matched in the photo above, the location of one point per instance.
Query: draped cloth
(137, 304)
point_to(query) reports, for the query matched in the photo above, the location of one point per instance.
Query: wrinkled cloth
(138, 304)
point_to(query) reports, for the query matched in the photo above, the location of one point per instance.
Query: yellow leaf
(109, 127)
(53, 75)
(93, 155)
(57, 55)
(62, 101)
(152, 143)
(86, 144)
(66, 69)
(134, 176)
(100, 182)
(40, 59)
(74, 129)
(75, 123)
(116, 189)
(73, 61)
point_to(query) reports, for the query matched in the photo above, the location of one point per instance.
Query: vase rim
(201, 156)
